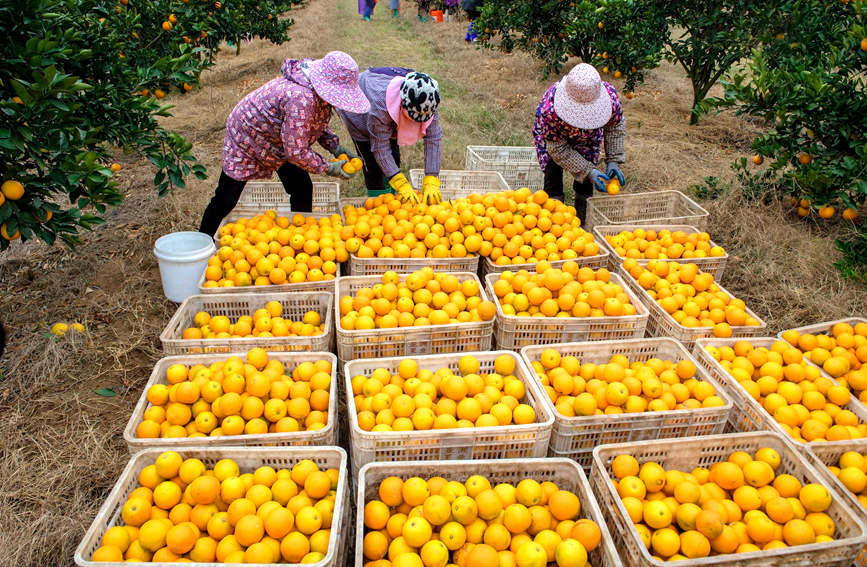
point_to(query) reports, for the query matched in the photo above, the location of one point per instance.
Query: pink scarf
(408, 130)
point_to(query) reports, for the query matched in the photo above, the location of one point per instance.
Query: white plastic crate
(234, 305)
(518, 165)
(563, 472)
(248, 459)
(514, 333)
(596, 261)
(322, 285)
(259, 196)
(688, 453)
(658, 207)
(325, 436)
(507, 441)
(407, 341)
(455, 184)
(378, 266)
(575, 437)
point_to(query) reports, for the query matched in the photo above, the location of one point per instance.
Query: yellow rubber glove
(404, 190)
(430, 190)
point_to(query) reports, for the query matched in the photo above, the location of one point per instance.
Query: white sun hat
(581, 100)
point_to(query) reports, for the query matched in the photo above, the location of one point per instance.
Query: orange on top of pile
(422, 298)
(665, 244)
(267, 249)
(851, 471)
(621, 386)
(510, 227)
(741, 505)
(807, 405)
(237, 397)
(265, 322)
(572, 291)
(842, 353)
(690, 296)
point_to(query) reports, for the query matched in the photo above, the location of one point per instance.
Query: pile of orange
(807, 405)
(183, 511)
(414, 398)
(568, 292)
(271, 250)
(621, 386)
(851, 471)
(690, 296)
(238, 397)
(511, 227)
(666, 244)
(842, 353)
(265, 322)
(740, 505)
(437, 522)
(422, 298)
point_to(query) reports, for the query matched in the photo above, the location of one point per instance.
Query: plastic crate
(259, 196)
(514, 333)
(248, 459)
(507, 441)
(565, 473)
(357, 202)
(686, 454)
(234, 305)
(408, 341)
(325, 436)
(597, 261)
(825, 328)
(518, 165)
(748, 414)
(712, 265)
(575, 437)
(661, 324)
(378, 266)
(323, 285)
(659, 207)
(455, 184)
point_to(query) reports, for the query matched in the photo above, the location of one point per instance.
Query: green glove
(430, 190)
(341, 150)
(404, 190)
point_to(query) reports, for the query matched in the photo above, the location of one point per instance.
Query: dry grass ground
(60, 443)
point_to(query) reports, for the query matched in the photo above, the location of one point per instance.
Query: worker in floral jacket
(576, 116)
(274, 128)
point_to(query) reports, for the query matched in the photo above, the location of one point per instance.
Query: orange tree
(81, 78)
(808, 83)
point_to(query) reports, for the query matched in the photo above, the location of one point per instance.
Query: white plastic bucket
(183, 257)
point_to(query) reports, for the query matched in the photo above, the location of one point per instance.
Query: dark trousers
(554, 188)
(296, 182)
(374, 179)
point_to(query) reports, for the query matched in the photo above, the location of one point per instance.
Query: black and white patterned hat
(420, 96)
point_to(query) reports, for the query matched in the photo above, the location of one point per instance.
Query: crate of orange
(457, 184)
(658, 207)
(231, 400)
(627, 390)
(774, 387)
(444, 408)
(271, 253)
(233, 322)
(204, 514)
(259, 196)
(425, 312)
(676, 242)
(748, 473)
(514, 512)
(549, 306)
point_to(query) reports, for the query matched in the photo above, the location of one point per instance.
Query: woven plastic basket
(248, 459)
(514, 333)
(686, 454)
(564, 473)
(659, 207)
(259, 196)
(323, 285)
(508, 441)
(575, 437)
(712, 265)
(408, 341)
(748, 414)
(597, 261)
(661, 324)
(457, 184)
(518, 165)
(325, 436)
(234, 305)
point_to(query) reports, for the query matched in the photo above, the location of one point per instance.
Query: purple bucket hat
(335, 80)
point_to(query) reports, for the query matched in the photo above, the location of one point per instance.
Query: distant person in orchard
(577, 115)
(274, 128)
(403, 110)
(473, 8)
(365, 8)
